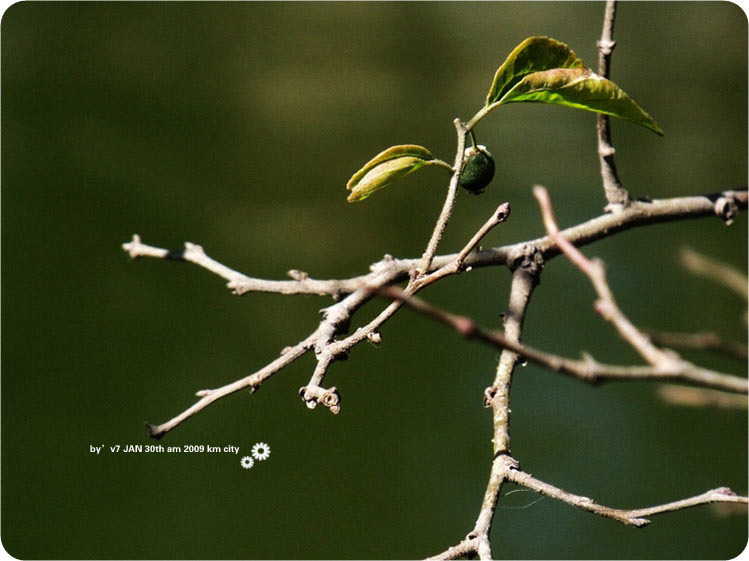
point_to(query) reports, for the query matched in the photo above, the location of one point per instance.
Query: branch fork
(526, 261)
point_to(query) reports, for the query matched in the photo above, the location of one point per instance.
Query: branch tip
(154, 432)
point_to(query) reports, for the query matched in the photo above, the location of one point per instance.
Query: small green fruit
(478, 169)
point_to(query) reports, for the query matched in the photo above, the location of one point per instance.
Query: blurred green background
(236, 126)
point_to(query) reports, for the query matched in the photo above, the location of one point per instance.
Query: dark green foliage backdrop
(236, 126)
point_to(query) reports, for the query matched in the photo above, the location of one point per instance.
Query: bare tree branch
(703, 341)
(253, 381)
(506, 468)
(447, 207)
(716, 271)
(725, 205)
(665, 360)
(331, 319)
(329, 350)
(586, 369)
(606, 304)
(322, 340)
(240, 283)
(701, 397)
(478, 541)
(389, 270)
(633, 517)
(497, 396)
(616, 194)
(526, 260)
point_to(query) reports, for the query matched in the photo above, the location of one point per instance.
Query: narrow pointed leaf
(532, 55)
(582, 89)
(383, 175)
(391, 153)
(386, 167)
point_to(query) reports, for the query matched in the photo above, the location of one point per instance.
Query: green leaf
(582, 89)
(386, 167)
(532, 55)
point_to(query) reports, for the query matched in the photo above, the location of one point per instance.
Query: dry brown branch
(633, 517)
(666, 360)
(526, 261)
(322, 340)
(724, 204)
(716, 271)
(701, 397)
(524, 279)
(497, 396)
(505, 468)
(477, 541)
(328, 349)
(447, 207)
(389, 270)
(587, 369)
(616, 195)
(606, 304)
(703, 341)
(332, 319)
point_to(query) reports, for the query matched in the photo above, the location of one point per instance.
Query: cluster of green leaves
(538, 70)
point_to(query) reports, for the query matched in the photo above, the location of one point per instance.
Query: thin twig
(390, 270)
(447, 207)
(725, 205)
(240, 283)
(633, 517)
(715, 270)
(478, 540)
(586, 369)
(606, 304)
(497, 217)
(524, 280)
(333, 318)
(703, 341)
(330, 350)
(616, 194)
(505, 468)
(322, 339)
(253, 381)
(701, 397)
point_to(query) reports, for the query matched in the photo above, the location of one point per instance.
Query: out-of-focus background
(236, 126)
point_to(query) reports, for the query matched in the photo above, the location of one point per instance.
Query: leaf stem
(440, 163)
(483, 112)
